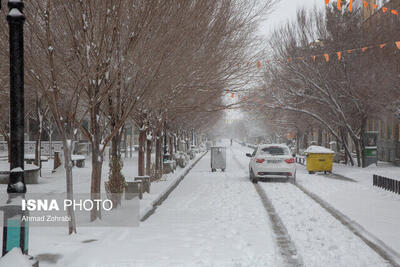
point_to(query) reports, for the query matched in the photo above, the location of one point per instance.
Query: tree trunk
(142, 140)
(148, 157)
(67, 144)
(97, 161)
(9, 149)
(319, 136)
(171, 147)
(175, 143)
(298, 135)
(97, 164)
(130, 144)
(158, 156)
(358, 153)
(362, 144)
(346, 148)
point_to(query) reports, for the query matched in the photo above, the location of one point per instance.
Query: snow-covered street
(211, 219)
(215, 219)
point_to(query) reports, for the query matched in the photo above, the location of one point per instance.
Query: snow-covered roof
(319, 150)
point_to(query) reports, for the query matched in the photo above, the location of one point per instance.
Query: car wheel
(223, 170)
(310, 172)
(253, 179)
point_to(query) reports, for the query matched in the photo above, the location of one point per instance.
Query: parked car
(271, 161)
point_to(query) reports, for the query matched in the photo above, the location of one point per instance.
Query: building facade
(387, 125)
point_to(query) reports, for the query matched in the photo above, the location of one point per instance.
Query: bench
(30, 158)
(31, 174)
(78, 161)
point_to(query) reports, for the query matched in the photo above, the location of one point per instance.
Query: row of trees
(339, 95)
(160, 64)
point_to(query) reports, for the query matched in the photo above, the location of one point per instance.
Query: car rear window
(274, 151)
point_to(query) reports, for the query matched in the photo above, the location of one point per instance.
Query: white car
(272, 161)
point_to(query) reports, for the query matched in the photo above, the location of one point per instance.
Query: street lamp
(15, 229)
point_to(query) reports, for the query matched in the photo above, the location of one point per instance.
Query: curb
(165, 195)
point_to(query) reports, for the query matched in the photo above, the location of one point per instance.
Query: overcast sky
(284, 11)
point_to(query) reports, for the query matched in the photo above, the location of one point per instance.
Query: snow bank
(15, 258)
(319, 150)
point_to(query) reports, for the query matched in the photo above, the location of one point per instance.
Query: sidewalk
(52, 244)
(364, 175)
(375, 209)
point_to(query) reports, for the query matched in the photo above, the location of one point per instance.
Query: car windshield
(274, 151)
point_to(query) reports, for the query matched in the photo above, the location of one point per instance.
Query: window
(274, 151)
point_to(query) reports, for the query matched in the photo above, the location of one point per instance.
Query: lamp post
(16, 21)
(15, 229)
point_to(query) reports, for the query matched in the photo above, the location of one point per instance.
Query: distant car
(271, 161)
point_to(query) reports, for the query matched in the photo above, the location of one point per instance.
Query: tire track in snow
(385, 252)
(373, 242)
(286, 246)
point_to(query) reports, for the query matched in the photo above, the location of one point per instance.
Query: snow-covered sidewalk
(364, 175)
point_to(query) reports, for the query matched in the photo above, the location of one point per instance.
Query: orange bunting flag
(384, 9)
(349, 51)
(327, 2)
(375, 6)
(258, 64)
(394, 12)
(365, 3)
(339, 55)
(351, 6)
(289, 60)
(314, 57)
(244, 98)
(233, 95)
(382, 45)
(364, 49)
(398, 45)
(326, 57)
(339, 5)
(239, 96)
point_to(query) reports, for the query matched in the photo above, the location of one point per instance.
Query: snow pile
(319, 150)
(15, 258)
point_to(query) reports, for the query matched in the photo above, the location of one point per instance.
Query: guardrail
(386, 183)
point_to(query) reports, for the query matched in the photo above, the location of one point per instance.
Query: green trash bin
(371, 148)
